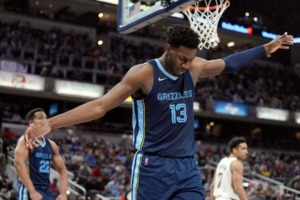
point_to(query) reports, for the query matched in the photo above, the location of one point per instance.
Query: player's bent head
(182, 35)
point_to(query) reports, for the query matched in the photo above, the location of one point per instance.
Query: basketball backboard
(133, 16)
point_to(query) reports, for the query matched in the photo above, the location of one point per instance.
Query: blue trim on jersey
(162, 69)
(41, 144)
(134, 120)
(135, 174)
(140, 134)
(23, 193)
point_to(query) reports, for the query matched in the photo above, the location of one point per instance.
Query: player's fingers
(29, 137)
(32, 142)
(28, 144)
(33, 130)
(26, 138)
(35, 144)
(284, 47)
(289, 37)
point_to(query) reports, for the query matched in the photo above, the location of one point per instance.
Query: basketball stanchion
(204, 17)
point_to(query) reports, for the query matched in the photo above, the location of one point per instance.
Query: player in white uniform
(228, 180)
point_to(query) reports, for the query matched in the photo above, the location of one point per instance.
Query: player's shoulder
(199, 62)
(142, 67)
(141, 71)
(236, 164)
(54, 146)
(20, 147)
(21, 139)
(197, 66)
(51, 142)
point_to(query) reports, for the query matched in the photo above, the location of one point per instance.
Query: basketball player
(228, 180)
(163, 118)
(33, 166)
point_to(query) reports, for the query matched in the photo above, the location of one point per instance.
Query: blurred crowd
(104, 167)
(75, 56)
(254, 85)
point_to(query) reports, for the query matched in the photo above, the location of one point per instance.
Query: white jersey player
(228, 179)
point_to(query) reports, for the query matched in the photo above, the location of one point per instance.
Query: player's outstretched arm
(132, 81)
(238, 60)
(62, 170)
(20, 156)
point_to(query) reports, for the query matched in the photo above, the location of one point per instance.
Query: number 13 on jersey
(178, 113)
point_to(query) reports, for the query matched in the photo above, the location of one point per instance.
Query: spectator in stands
(113, 186)
(90, 183)
(83, 173)
(258, 193)
(54, 188)
(90, 158)
(8, 134)
(100, 183)
(9, 138)
(270, 193)
(78, 157)
(96, 171)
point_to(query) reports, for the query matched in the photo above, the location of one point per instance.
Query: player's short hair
(182, 35)
(31, 114)
(234, 142)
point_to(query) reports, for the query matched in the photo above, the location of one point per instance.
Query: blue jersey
(163, 121)
(39, 164)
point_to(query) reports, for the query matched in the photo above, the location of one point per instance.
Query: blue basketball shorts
(23, 193)
(165, 178)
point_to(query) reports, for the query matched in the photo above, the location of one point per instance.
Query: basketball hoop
(204, 19)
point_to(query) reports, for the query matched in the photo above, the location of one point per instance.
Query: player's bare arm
(62, 170)
(237, 169)
(137, 78)
(20, 156)
(212, 185)
(207, 68)
(131, 82)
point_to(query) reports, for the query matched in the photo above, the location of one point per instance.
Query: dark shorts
(23, 193)
(165, 178)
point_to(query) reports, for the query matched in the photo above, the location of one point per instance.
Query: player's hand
(36, 196)
(37, 129)
(280, 42)
(62, 197)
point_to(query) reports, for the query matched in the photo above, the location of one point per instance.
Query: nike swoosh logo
(161, 79)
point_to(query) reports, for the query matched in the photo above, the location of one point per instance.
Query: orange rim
(193, 8)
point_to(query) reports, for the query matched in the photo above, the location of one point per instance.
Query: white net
(204, 19)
